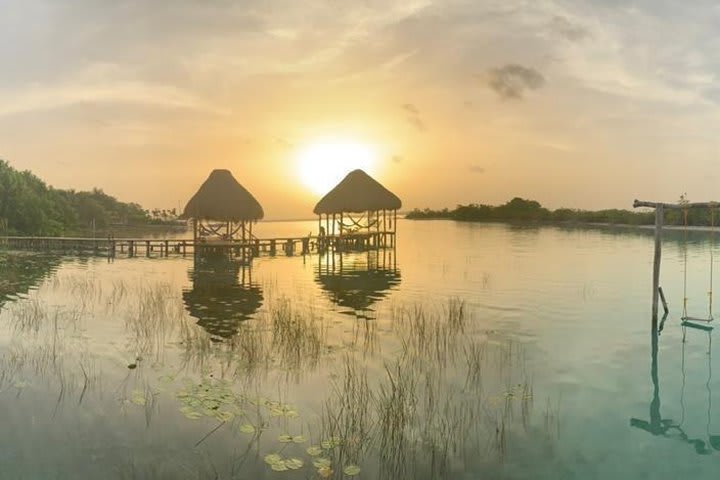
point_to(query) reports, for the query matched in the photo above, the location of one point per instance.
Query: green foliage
(29, 207)
(522, 210)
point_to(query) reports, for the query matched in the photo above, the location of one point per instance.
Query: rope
(712, 247)
(685, 234)
(357, 223)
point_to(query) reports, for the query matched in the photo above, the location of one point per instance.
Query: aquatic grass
(412, 394)
(429, 335)
(153, 320)
(297, 339)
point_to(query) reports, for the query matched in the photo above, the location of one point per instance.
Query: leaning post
(659, 214)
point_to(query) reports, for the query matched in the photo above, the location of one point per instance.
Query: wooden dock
(148, 247)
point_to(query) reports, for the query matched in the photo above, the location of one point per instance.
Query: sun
(323, 163)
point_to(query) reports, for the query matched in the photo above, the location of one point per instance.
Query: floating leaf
(285, 438)
(322, 462)
(138, 397)
(193, 415)
(273, 458)
(294, 463)
(247, 428)
(224, 416)
(299, 439)
(351, 470)
(331, 443)
(314, 451)
(279, 467)
(325, 472)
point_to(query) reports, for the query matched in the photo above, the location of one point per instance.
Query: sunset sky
(585, 104)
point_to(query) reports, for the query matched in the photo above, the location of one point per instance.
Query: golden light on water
(323, 163)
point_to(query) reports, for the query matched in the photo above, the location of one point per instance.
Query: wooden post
(394, 228)
(664, 302)
(659, 214)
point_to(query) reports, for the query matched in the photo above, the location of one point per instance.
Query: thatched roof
(357, 192)
(221, 197)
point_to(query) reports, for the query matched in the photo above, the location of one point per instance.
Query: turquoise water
(472, 351)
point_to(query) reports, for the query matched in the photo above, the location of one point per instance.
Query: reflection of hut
(222, 295)
(359, 212)
(222, 209)
(357, 281)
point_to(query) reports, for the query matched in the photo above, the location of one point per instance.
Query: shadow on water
(666, 427)
(222, 295)
(356, 281)
(21, 272)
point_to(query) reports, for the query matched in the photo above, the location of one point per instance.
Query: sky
(582, 104)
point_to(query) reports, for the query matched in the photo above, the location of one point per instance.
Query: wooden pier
(149, 247)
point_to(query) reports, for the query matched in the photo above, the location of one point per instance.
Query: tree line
(522, 210)
(30, 207)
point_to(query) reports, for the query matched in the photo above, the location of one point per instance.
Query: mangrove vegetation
(28, 206)
(521, 210)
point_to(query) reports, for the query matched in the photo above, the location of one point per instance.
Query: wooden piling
(659, 214)
(662, 299)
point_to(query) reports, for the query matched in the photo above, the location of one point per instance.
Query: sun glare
(322, 164)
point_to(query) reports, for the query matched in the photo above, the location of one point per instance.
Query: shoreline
(691, 228)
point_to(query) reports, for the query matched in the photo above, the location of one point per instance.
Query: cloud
(513, 80)
(416, 122)
(475, 168)
(412, 116)
(410, 108)
(565, 28)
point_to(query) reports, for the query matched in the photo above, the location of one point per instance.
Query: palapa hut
(222, 209)
(359, 212)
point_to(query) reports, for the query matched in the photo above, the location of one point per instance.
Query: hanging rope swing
(359, 223)
(685, 317)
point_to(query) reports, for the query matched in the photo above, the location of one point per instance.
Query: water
(472, 351)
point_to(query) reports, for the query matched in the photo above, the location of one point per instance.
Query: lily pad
(247, 428)
(351, 470)
(294, 463)
(273, 458)
(321, 462)
(314, 451)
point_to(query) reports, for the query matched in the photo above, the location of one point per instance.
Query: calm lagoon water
(472, 351)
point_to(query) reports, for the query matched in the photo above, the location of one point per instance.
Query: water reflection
(21, 272)
(356, 281)
(222, 296)
(666, 427)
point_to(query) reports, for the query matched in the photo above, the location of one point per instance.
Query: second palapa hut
(359, 212)
(222, 210)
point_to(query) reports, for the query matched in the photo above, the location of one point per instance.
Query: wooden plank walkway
(131, 247)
